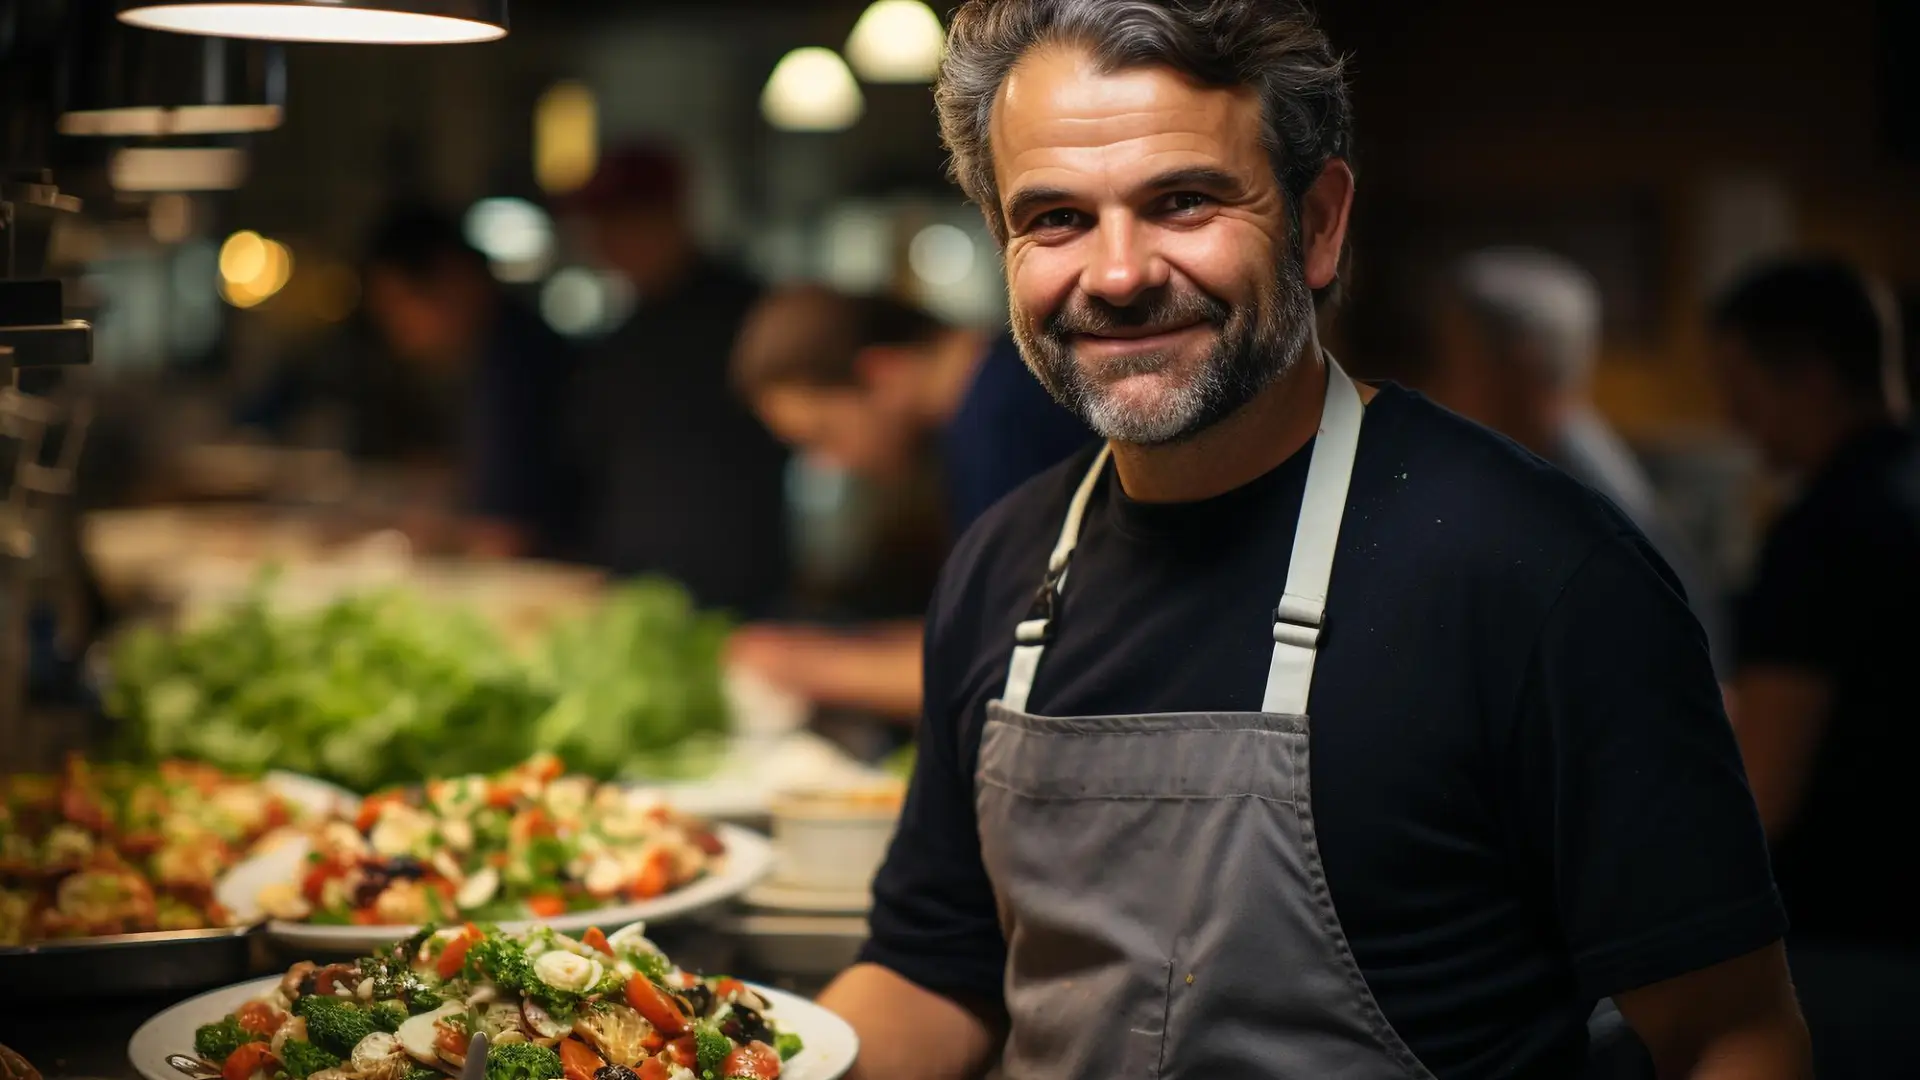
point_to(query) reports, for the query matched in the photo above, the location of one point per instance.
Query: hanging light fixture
(897, 41)
(391, 22)
(125, 83)
(812, 90)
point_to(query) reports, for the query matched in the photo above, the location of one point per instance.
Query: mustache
(1162, 309)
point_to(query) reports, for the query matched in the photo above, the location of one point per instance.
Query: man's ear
(1324, 210)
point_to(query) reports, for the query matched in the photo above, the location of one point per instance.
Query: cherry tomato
(578, 1061)
(594, 939)
(547, 905)
(249, 1059)
(370, 808)
(454, 956)
(316, 880)
(655, 1069)
(450, 1039)
(709, 843)
(725, 989)
(651, 881)
(259, 1018)
(328, 978)
(684, 1051)
(659, 1009)
(756, 1060)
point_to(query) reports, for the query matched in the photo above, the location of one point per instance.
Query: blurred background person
(871, 385)
(677, 476)
(1822, 696)
(1515, 332)
(466, 383)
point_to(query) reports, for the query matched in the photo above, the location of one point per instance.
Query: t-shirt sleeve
(934, 920)
(1634, 801)
(1789, 611)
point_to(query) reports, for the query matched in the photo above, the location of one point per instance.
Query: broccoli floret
(334, 1024)
(787, 1044)
(303, 1059)
(652, 965)
(502, 961)
(710, 1046)
(522, 1061)
(387, 1015)
(216, 1043)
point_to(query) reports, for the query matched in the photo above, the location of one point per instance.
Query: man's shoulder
(1459, 499)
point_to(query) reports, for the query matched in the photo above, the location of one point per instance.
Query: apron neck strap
(1302, 608)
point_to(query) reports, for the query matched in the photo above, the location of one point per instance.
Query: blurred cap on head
(639, 174)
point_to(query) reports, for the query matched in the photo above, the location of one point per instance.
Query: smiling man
(1304, 729)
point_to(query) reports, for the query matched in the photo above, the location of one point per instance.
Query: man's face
(427, 321)
(849, 428)
(1762, 402)
(640, 241)
(1154, 271)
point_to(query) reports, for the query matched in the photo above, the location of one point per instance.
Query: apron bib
(1158, 878)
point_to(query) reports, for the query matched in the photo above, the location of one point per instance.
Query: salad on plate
(552, 1007)
(103, 849)
(528, 843)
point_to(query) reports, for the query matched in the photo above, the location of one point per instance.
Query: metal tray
(130, 965)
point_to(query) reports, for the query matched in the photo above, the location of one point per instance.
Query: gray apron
(1161, 891)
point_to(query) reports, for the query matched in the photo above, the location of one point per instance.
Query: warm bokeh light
(566, 138)
(243, 257)
(812, 90)
(314, 21)
(253, 268)
(897, 41)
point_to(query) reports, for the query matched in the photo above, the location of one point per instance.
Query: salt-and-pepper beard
(1253, 346)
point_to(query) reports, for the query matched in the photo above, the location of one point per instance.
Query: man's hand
(1734, 1021)
(1779, 715)
(906, 1032)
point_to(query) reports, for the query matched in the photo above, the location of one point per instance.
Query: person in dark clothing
(1303, 729)
(1515, 333)
(1823, 701)
(866, 383)
(677, 476)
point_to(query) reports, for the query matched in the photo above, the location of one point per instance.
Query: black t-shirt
(1836, 594)
(1526, 791)
(677, 476)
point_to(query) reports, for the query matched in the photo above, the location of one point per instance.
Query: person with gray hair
(1302, 729)
(1515, 332)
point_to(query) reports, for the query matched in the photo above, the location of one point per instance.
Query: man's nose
(1124, 263)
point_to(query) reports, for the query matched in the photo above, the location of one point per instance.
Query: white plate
(759, 768)
(831, 1045)
(749, 856)
(776, 896)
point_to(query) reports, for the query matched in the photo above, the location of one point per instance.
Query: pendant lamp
(126, 83)
(390, 22)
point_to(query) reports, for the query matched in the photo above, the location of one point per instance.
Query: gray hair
(1532, 298)
(1271, 46)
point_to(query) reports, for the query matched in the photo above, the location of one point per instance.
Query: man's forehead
(1057, 108)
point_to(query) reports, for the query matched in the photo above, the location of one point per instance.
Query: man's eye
(1186, 202)
(1057, 219)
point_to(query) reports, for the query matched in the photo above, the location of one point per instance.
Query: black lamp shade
(124, 83)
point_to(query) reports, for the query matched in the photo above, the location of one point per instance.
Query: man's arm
(1778, 714)
(907, 1032)
(876, 669)
(1736, 1020)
